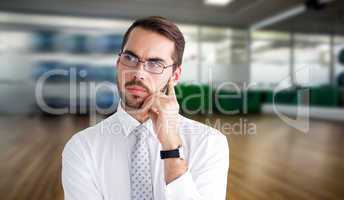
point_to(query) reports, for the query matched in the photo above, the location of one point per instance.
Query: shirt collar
(129, 123)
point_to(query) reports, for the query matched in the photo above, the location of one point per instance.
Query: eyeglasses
(154, 67)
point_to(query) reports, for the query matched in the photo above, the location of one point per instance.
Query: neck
(139, 116)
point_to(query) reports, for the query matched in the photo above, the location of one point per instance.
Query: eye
(130, 57)
(155, 64)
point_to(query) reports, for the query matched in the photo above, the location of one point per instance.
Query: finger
(171, 91)
(154, 107)
(147, 104)
(154, 110)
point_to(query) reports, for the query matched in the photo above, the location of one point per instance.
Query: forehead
(149, 44)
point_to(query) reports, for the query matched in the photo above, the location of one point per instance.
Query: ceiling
(240, 13)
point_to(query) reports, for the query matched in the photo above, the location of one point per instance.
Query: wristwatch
(174, 153)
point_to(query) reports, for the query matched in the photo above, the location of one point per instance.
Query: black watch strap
(170, 154)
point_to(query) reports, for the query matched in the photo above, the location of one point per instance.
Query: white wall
(16, 85)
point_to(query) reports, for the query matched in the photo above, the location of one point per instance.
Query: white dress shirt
(96, 162)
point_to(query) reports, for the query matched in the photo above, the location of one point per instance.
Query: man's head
(157, 42)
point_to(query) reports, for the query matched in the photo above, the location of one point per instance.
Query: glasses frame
(144, 63)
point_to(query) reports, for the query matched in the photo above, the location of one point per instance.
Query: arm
(77, 181)
(207, 179)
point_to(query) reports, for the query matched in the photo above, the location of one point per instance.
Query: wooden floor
(277, 162)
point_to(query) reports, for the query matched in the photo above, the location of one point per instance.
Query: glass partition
(312, 59)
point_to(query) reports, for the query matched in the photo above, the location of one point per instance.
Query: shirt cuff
(182, 188)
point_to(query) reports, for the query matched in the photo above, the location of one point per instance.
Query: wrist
(169, 147)
(172, 142)
(177, 153)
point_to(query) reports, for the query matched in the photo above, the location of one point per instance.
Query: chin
(134, 102)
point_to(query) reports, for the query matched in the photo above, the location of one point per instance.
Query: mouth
(136, 90)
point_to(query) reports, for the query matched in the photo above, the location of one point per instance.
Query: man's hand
(163, 110)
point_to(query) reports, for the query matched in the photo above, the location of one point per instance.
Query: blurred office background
(268, 73)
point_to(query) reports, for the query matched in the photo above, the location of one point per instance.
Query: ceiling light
(279, 17)
(217, 2)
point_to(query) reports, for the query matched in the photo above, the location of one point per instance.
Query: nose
(140, 72)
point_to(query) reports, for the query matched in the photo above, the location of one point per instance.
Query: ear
(177, 73)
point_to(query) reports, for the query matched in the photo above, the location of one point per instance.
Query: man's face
(134, 83)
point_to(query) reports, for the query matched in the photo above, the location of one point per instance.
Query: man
(146, 150)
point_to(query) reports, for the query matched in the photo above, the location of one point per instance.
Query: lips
(136, 89)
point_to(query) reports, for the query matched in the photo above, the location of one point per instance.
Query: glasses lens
(129, 60)
(154, 67)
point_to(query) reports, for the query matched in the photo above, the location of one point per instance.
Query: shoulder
(89, 137)
(204, 145)
(201, 133)
(79, 142)
(198, 128)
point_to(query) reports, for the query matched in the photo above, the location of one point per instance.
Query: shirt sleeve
(207, 178)
(76, 177)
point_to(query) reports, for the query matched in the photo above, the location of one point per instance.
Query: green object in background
(324, 96)
(253, 101)
(228, 102)
(287, 96)
(194, 99)
(202, 99)
(235, 102)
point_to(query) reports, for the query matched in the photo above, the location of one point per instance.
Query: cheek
(119, 76)
(123, 76)
(120, 80)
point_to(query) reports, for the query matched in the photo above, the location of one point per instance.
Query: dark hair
(164, 27)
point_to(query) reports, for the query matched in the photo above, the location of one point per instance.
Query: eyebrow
(154, 59)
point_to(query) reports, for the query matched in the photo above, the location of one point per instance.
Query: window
(215, 59)
(270, 59)
(312, 59)
(191, 53)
